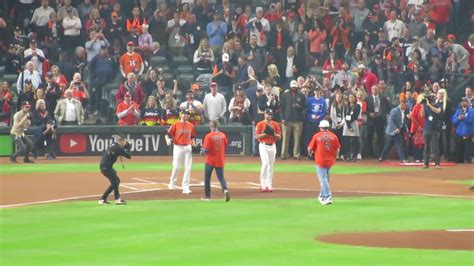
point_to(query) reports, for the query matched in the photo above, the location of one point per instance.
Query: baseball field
(383, 214)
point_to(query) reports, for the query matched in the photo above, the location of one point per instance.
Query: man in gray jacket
(292, 104)
(394, 130)
(21, 122)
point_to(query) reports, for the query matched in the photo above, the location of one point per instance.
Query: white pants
(181, 153)
(267, 155)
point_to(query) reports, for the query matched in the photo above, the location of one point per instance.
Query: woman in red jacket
(416, 130)
(340, 38)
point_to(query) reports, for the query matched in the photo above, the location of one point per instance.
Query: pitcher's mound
(448, 239)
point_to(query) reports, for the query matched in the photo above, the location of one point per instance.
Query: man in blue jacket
(315, 112)
(463, 120)
(395, 127)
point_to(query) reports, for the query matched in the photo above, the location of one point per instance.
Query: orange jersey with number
(261, 127)
(131, 63)
(324, 144)
(215, 144)
(182, 133)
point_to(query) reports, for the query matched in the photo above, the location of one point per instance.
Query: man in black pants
(120, 148)
(377, 109)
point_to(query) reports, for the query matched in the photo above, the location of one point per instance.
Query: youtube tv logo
(73, 143)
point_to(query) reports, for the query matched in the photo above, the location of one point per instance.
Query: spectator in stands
(223, 74)
(203, 57)
(268, 100)
(128, 112)
(95, 22)
(40, 19)
(35, 55)
(13, 61)
(301, 45)
(394, 27)
(393, 56)
(256, 56)
(145, 41)
(115, 29)
(93, 46)
(58, 79)
(6, 101)
(101, 72)
(368, 78)
(469, 95)
(27, 93)
(340, 38)
(416, 27)
(344, 76)
(79, 89)
(427, 42)
(176, 42)
(52, 92)
(216, 31)
(131, 62)
(194, 107)
(133, 87)
(289, 66)
(382, 43)
(21, 122)
(137, 20)
(45, 129)
(150, 84)
(194, 33)
(69, 111)
(65, 65)
(170, 113)
(163, 92)
(350, 130)
(84, 9)
(150, 115)
(72, 29)
(331, 65)
(316, 110)
(336, 113)
(459, 53)
(245, 71)
(463, 120)
(316, 36)
(395, 130)
(239, 108)
(39, 95)
(259, 26)
(292, 105)
(215, 105)
(80, 60)
(416, 129)
(377, 109)
(469, 46)
(63, 10)
(279, 40)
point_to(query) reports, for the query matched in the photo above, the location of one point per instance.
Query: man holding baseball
(267, 132)
(120, 148)
(181, 134)
(326, 146)
(214, 147)
(21, 122)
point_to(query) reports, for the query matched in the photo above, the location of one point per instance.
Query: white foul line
(129, 187)
(461, 230)
(145, 181)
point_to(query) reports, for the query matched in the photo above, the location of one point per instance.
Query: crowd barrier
(145, 141)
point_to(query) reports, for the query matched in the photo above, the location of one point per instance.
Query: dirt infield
(26, 189)
(449, 239)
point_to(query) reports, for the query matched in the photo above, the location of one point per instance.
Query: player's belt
(268, 144)
(182, 144)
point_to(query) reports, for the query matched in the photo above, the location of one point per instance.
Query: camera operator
(432, 112)
(21, 122)
(45, 129)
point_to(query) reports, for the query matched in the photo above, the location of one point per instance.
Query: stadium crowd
(377, 69)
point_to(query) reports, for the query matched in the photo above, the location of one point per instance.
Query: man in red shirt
(128, 111)
(326, 145)
(214, 148)
(182, 133)
(367, 78)
(267, 132)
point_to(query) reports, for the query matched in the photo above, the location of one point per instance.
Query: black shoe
(13, 159)
(27, 161)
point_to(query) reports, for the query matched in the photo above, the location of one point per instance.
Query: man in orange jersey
(182, 133)
(214, 148)
(267, 132)
(326, 145)
(131, 61)
(128, 111)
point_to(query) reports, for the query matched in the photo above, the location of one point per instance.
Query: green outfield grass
(239, 167)
(241, 232)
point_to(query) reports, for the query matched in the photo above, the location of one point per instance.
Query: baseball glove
(269, 131)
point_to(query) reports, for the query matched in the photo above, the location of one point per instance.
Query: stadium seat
(180, 61)
(158, 61)
(10, 78)
(188, 69)
(164, 68)
(106, 90)
(316, 71)
(2, 71)
(185, 81)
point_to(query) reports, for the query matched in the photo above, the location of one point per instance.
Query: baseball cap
(324, 124)
(361, 66)
(17, 29)
(195, 87)
(213, 84)
(33, 41)
(130, 44)
(269, 111)
(451, 37)
(225, 57)
(293, 84)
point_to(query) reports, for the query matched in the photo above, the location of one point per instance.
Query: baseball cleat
(321, 200)
(103, 202)
(269, 189)
(120, 202)
(227, 195)
(327, 202)
(262, 189)
(171, 186)
(187, 191)
(205, 199)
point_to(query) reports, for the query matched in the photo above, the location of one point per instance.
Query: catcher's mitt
(269, 131)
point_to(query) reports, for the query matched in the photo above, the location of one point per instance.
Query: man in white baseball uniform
(182, 134)
(267, 132)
